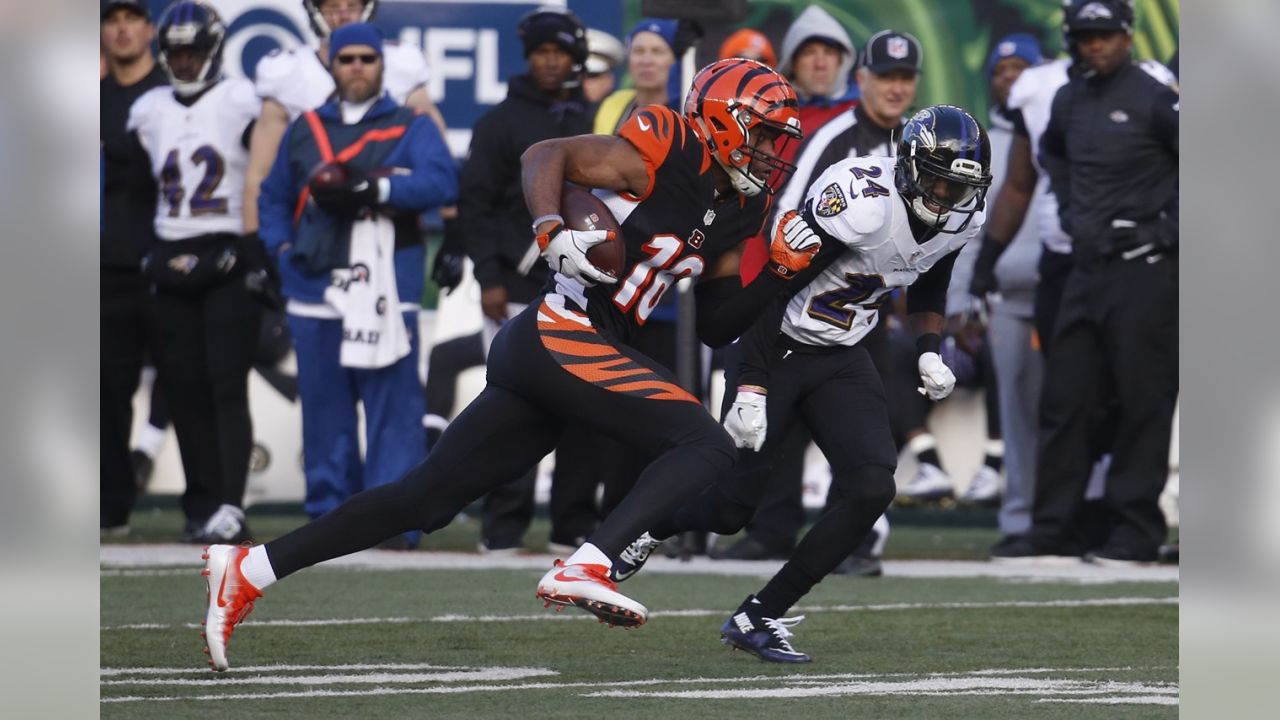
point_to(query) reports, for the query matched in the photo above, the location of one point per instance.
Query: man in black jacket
(546, 102)
(128, 206)
(1111, 151)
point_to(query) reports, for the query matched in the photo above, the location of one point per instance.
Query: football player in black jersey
(687, 190)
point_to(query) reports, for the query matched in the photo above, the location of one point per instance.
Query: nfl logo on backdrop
(898, 47)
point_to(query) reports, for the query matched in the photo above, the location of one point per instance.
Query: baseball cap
(1112, 15)
(890, 50)
(138, 6)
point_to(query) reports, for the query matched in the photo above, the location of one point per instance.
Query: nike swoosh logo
(222, 586)
(576, 577)
(643, 125)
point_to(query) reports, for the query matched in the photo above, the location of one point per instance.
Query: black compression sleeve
(929, 292)
(758, 347)
(725, 309)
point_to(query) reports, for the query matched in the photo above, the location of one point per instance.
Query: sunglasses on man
(366, 58)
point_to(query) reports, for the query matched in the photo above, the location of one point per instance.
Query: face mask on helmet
(190, 40)
(320, 26)
(746, 114)
(944, 166)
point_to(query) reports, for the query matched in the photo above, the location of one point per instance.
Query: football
(582, 210)
(335, 173)
(327, 174)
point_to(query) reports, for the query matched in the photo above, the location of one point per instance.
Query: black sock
(995, 462)
(929, 456)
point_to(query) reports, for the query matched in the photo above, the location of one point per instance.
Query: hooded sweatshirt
(815, 22)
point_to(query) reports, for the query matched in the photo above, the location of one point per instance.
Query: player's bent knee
(869, 486)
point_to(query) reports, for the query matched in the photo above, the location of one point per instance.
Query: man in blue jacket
(396, 166)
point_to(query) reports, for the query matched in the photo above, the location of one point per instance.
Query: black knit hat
(554, 26)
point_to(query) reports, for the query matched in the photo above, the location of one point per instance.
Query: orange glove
(793, 246)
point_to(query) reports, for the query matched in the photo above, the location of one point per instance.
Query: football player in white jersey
(205, 319)
(885, 223)
(290, 82)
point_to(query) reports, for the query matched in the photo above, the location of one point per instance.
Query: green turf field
(363, 643)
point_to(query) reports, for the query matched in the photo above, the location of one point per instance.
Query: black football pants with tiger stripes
(548, 369)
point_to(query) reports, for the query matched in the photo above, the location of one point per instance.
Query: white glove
(938, 379)
(566, 252)
(746, 421)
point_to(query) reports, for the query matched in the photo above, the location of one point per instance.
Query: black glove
(446, 271)
(261, 277)
(984, 269)
(349, 197)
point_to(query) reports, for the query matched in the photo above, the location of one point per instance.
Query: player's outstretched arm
(725, 309)
(264, 142)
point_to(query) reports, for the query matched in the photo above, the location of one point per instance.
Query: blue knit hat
(1020, 45)
(355, 34)
(664, 28)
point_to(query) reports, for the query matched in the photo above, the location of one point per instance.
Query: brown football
(336, 173)
(582, 210)
(330, 173)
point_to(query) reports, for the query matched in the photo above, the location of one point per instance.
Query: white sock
(994, 448)
(150, 440)
(256, 568)
(589, 554)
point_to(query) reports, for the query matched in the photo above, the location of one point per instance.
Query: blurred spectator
(604, 55)
(749, 44)
(651, 55)
(1009, 341)
(128, 209)
(204, 317)
(817, 56)
(1116, 335)
(546, 102)
(293, 81)
(333, 240)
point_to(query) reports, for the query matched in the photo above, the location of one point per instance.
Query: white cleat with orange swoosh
(230, 599)
(588, 587)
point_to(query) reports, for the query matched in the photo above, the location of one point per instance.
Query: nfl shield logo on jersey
(832, 202)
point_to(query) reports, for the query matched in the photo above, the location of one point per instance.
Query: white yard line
(117, 671)
(696, 612)
(990, 682)
(372, 678)
(170, 559)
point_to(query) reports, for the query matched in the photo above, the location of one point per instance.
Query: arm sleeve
(1164, 119)
(1053, 154)
(929, 292)
(277, 199)
(725, 309)
(433, 180)
(479, 191)
(758, 347)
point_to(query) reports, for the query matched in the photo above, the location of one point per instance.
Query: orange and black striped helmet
(730, 104)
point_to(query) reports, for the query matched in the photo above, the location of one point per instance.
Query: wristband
(545, 238)
(929, 343)
(543, 218)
